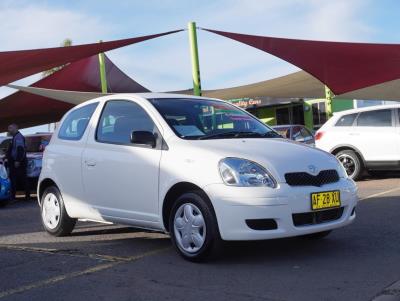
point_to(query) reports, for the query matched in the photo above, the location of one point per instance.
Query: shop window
(319, 114)
(282, 116)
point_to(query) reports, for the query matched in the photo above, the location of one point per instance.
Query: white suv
(366, 139)
(201, 169)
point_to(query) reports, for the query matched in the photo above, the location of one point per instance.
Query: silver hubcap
(348, 164)
(189, 228)
(51, 211)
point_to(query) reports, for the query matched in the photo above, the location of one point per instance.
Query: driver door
(120, 178)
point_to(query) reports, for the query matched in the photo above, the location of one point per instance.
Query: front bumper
(234, 205)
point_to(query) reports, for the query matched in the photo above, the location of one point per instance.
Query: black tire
(357, 169)
(318, 235)
(212, 245)
(4, 203)
(65, 224)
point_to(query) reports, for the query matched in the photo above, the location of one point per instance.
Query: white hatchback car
(365, 139)
(201, 169)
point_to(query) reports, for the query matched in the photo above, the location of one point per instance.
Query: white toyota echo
(201, 169)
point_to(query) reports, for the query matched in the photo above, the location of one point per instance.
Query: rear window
(35, 144)
(346, 120)
(381, 118)
(284, 132)
(76, 122)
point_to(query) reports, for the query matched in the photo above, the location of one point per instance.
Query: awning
(295, 85)
(19, 64)
(302, 85)
(343, 67)
(50, 104)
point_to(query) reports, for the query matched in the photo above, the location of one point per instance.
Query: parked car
(297, 133)
(5, 186)
(366, 139)
(201, 169)
(35, 146)
(4, 143)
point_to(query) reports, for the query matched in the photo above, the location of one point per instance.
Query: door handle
(354, 134)
(90, 163)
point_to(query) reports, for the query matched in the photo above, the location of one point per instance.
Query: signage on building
(254, 102)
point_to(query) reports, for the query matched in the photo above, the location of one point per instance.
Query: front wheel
(55, 219)
(193, 227)
(351, 163)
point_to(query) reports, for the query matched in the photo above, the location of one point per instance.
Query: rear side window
(119, 119)
(76, 122)
(346, 120)
(375, 118)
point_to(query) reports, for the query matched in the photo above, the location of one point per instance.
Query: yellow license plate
(324, 200)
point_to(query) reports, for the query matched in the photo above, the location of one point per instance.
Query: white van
(200, 169)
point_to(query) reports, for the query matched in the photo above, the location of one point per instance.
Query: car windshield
(192, 118)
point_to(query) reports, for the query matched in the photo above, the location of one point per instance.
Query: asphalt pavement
(111, 262)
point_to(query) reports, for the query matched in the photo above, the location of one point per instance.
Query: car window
(346, 120)
(283, 131)
(381, 118)
(4, 146)
(37, 143)
(76, 122)
(119, 119)
(306, 134)
(296, 133)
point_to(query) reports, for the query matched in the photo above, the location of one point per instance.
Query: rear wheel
(351, 163)
(55, 219)
(193, 227)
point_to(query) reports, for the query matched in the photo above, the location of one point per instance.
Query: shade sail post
(329, 98)
(102, 69)
(194, 53)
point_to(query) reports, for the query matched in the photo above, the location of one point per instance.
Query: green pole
(102, 67)
(329, 98)
(194, 52)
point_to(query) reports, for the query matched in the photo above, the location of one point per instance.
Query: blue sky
(164, 64)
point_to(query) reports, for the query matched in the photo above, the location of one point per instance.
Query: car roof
(366, 109)
(147, 95)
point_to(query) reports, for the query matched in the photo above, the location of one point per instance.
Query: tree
(67, 42)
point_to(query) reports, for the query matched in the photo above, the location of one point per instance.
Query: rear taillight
(319, 135)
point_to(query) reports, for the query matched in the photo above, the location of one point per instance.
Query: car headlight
(3, 172)
(245, 173)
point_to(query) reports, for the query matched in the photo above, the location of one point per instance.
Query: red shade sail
(19, 64)
(343, 67)
(27, 109)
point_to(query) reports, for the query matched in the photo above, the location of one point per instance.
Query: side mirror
(144, 138)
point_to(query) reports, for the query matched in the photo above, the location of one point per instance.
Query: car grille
(318, 217)
(306, 179)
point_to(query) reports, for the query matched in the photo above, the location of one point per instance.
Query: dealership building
(310, 112)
